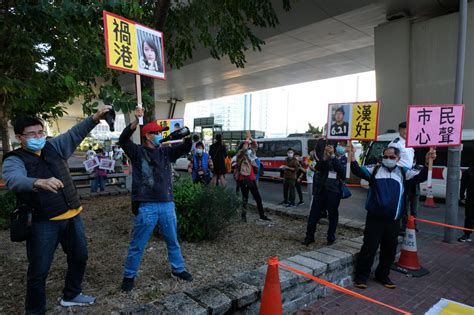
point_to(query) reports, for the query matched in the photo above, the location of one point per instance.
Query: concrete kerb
(242, 293)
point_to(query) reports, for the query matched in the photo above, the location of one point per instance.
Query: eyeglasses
(391, 157)
(29, 135)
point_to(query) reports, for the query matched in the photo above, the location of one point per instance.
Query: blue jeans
(98, 182)
(149, 214)
(40, 248)
(324, 200)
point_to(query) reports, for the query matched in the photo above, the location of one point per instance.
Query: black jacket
(467, 185)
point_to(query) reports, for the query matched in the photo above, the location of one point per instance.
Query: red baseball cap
(153, 127)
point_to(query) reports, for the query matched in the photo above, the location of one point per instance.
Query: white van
(374, 155)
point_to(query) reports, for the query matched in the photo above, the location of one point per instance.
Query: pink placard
(434, 125)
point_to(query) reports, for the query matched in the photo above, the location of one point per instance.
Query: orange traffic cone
(429, 201)
(271, 299)
(408, 262)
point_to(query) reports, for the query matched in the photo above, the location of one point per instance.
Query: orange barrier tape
(444, 225)
(338, 288)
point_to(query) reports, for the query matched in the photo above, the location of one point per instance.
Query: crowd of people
(38, 174)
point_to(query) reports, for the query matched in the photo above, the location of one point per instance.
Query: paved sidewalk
(451, 276)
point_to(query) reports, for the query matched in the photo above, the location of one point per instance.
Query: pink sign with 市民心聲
(434, 125)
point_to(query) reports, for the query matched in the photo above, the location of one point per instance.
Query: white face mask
(199, 151)
(290, 155)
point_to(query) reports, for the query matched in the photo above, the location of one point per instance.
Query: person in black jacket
(327, 194)
(152, 197)
(467, 194)
(218, 153)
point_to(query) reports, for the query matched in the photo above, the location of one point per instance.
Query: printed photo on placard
(90, 164)
(107, 164)
(339, 117)
(150, 51)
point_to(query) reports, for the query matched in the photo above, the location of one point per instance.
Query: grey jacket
(14, 171)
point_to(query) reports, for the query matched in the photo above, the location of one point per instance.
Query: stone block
(180, 303)
(332, 262)
(347, 249)
(287, 278)
(240, 293)
(213, 300)
(316, 266)
(352, 244)
(343, 256)
(302, 268)
(294, 305)
(255, 278)
(359, 239)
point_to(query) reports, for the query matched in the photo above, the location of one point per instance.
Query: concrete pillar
(392, 71)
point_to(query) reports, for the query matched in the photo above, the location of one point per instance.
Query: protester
(246, 170)
(326, 195)
(100, 175)
(310, 170)
(384, 210)
(254, 157)
(39, 175)
(118, 157)
(152, 196)
(235, 171)
(300, 173)
(195, 141)
(407, 161)
(90, 154)
(290, 167)
(218, 152)
(201, 166)
(467, 194)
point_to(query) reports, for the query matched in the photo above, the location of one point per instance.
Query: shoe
(360, 284)
(283, 203)
(300, 203)
(265, 218)
(329, 243)
(290, 205)
(186, 276)
(386, 282)
(79, 300)
(127, 284)
(306, 242)
(464, 238)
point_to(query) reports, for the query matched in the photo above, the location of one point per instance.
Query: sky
(289, 109)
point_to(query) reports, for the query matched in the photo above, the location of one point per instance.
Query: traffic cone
(408, 262)
(429, 201)
(271, 298)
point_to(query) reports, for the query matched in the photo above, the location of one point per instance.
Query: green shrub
(203, 212)
(7, 205)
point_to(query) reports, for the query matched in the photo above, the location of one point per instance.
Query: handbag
(21, 221)
(345, 192)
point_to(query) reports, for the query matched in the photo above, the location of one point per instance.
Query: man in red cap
(152, 196)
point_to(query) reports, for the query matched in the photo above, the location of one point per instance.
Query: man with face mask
(201, 165)
(39, 175)
(290, 167)
(152, 196)
(384, 209)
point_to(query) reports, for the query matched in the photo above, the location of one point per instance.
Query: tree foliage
(315, 130)
(53, 51)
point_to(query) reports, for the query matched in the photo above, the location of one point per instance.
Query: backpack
(245, 168)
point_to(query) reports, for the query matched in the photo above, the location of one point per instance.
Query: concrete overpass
(410, 44)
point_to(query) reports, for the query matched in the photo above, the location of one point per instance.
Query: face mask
(389, 163)
(199, 151)
(35, 144)
(290, 155)
(156, 140)
(249, 152)
(340, 150)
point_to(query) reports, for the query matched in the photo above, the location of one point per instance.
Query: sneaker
(265, 218)
(79, 300)
(283, 203)
(306, 242)
(360, 284)
(186, 276)
(127, 284)
(386, 282)
(300, 203)
(464, 238)
(290, 205)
